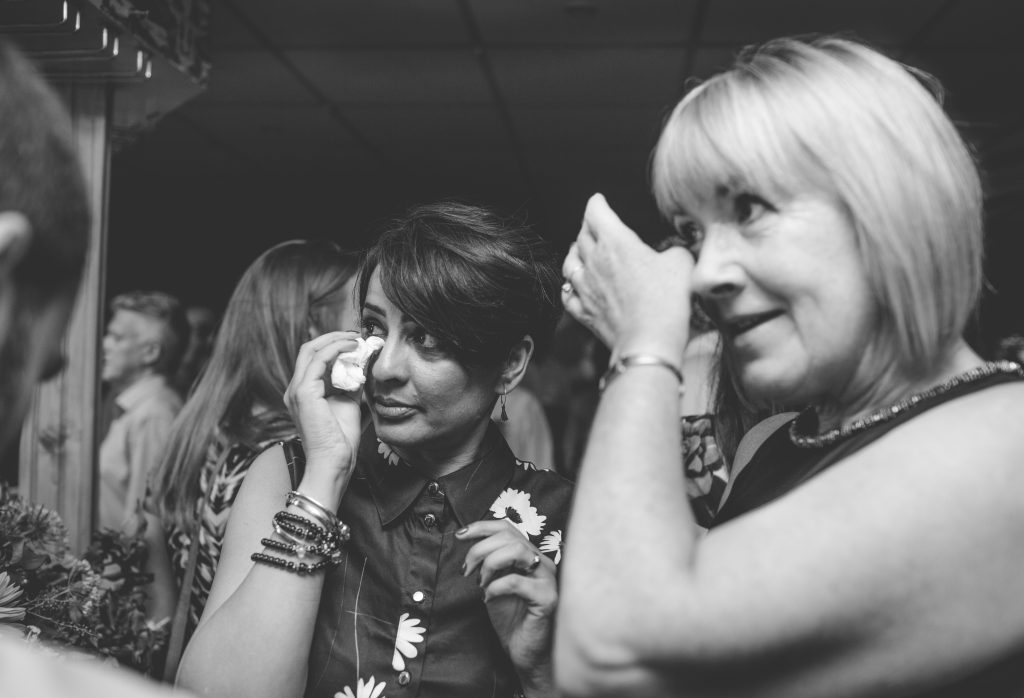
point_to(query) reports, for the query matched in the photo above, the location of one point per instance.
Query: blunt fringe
(475, 280)
(839, 117)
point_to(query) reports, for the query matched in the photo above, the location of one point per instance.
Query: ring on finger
(534, 564)
(567, 288)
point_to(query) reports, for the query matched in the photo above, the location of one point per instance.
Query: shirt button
(429, 520)
(404, 678)
(433, 488)
(417, 596)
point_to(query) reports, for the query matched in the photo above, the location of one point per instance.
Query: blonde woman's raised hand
(631, 296)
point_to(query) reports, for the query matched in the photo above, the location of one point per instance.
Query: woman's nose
(719, 272)
(387, 363)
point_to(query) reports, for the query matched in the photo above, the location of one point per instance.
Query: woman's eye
(371, 328)
(689, 233)
(750, 207)
(424, 339)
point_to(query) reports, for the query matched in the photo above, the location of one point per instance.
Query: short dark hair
(170, 312)
(477, 281)
(40, 177)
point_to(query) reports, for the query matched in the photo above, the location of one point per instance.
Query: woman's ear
(15, 235)
(515, 365)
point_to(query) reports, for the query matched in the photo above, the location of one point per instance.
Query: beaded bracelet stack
(321, 535)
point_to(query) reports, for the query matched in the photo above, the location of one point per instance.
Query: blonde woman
(871, 546)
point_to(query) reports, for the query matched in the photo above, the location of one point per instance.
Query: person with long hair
(871, 546)
(292, 292)
(418, 556)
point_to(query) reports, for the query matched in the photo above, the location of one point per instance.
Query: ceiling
(323, 116)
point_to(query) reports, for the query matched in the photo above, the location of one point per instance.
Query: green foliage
(94, 603)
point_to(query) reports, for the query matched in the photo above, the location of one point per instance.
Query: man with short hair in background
(145, 339)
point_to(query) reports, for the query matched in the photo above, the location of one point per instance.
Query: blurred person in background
(202, 322)
(146, 336)
(292, 292)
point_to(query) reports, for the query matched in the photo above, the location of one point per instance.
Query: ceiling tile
(566, 77)
(582, 128)
(575, 22)
(431, 76)
(330, 23)
(227, 33)
(969, 96)
(178, 147)
(880, 21)
(273, 136)
(252, 78)
(430, 128)
(979, 24)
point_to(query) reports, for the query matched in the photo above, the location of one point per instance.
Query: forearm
(258, 642)
(631, 534)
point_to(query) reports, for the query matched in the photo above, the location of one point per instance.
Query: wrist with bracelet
(619, 365)
(319, 534)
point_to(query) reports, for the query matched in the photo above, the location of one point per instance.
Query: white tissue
(349, 370)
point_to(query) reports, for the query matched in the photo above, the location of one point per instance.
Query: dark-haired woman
(417, 558)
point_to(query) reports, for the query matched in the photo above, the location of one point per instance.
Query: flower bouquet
(95, 603)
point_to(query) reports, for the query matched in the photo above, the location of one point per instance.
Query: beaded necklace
(884, 414)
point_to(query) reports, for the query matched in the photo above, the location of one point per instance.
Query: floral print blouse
(397, 617)
(706, 471)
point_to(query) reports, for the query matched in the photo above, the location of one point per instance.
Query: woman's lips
(391, 409)
(738, 325)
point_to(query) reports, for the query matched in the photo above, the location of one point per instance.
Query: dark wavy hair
(477, 281)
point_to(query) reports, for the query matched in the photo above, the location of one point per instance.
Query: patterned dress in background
(706, 471)
(218, 487)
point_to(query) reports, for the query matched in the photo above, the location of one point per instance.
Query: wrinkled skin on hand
(624, 291)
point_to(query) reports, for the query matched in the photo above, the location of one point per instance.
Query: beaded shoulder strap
(295, 457)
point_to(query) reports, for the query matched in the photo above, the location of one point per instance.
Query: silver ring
(534, 564)
(568, 288)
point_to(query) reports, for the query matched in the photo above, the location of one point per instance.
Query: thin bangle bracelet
(628, 361)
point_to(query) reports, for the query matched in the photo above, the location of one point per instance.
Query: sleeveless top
(779, 466)
(397, 617)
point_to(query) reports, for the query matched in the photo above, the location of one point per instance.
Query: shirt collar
(470, 490)
(140, 390)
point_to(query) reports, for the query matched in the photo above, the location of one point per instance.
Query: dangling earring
(503, 398)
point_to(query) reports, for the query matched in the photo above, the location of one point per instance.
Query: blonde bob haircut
(835, 116)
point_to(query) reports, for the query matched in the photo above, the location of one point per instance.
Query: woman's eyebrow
(372, 308)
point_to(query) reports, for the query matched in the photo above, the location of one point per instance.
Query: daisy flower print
(387, 453)
(552, 543)
(370, 689)
(515, 506)
(409, 633)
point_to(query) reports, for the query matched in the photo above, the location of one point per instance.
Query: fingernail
(462, 531)
(463, 569)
